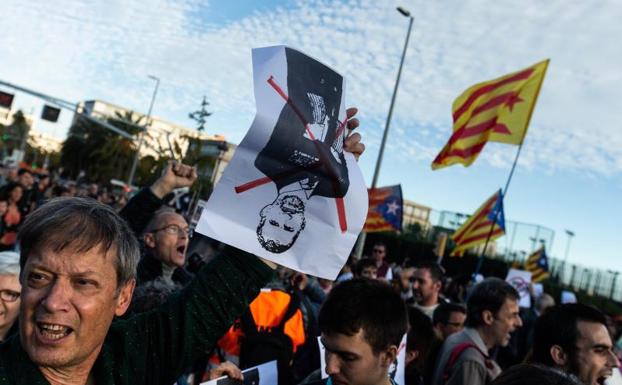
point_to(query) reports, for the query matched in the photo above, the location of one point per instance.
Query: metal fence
(522, 239)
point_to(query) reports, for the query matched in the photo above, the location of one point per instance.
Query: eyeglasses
(9, 295)
(173, 230)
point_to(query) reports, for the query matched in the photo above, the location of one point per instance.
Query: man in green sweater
(78, 260)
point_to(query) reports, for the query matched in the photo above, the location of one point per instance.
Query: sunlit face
(505, 322)
(425, 288)
(280, 224)
(350, 360)
(68, 302)
(594, 359)
(378, 253)
(169, 241)
(9, 301)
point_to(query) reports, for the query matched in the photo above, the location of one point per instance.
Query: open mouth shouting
(52, 333)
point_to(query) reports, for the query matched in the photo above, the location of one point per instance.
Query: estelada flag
(488, 217)
(385, 209)
(497, 110)
(538, 265)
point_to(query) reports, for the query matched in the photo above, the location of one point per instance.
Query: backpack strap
(455, 354)
(292, 307)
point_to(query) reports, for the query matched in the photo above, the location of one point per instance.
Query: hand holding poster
(264, 374)
(291, 194)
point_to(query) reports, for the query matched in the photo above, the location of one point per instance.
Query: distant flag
(538, 265)
(497, 110)
(476, 229)
(385, 209)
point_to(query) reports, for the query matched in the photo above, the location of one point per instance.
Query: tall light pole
(570, 234)
(141, 135)
(406, 13)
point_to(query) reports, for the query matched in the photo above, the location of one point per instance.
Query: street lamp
(570, 234)
(361, 240)
(141, 135)
(397, 82)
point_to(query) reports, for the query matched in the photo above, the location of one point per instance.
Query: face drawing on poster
(304, 155)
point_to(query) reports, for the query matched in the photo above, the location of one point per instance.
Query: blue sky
(569, 174)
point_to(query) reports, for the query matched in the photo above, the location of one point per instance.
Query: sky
(569, 172)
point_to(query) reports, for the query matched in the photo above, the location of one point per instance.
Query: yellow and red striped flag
(497, 110)
(538, 265)
(476, 229)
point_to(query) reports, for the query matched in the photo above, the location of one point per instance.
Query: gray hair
(154, 222)
(9, 263)
(80, 224)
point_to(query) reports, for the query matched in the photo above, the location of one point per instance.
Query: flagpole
(480, 261)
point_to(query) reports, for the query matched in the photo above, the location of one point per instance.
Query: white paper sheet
(290, 194)
(520, 279)
(264, 374)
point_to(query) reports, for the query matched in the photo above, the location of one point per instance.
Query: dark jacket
(138, 212)
(155, 348)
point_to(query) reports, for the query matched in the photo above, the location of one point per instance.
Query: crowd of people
(96, 288)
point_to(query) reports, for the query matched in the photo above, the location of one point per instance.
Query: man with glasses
(492, 314)
(574, 338)
(164, 233)
(379, 253)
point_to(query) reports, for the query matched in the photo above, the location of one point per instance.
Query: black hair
(363, 264)
(528, 374)
(23, 171)
(444, 310)
(558, 326)
(436, 271)
(490, 294)
(368, 305)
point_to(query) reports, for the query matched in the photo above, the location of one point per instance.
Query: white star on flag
(392, 208)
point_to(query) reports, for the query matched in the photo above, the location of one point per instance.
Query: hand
(299, 280)
(226, 369)
(353, 141)
(175, 175)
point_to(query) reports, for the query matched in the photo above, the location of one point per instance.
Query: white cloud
(106, 49)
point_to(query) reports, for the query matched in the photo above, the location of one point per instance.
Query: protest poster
(397, 369)
(264, 374)
(291, 194)
(520, 280)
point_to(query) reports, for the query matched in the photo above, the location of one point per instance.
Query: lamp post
(570, 234)
(361, 241)
(141, 135)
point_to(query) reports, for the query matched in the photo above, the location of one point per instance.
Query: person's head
(544, 302)
(25, 178)
(152, 294)
(379, 252)
(365, 268)
(12, 193)
(492, 308)
(420, 337)
(530, 374)
(362, 323)
(574, 338)
(427, 281)
(10, 290)
(280, 223)
(78, 266)
(166, 237)
(448, 318)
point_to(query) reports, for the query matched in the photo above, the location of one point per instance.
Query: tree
(201, 115)
(14, 133)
